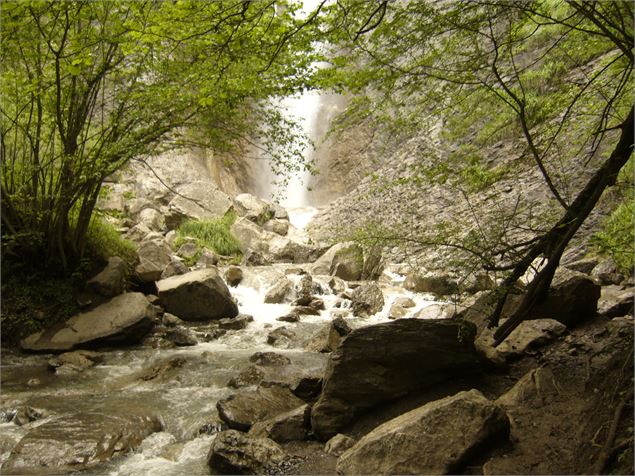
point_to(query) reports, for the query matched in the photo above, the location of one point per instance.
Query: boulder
(284, 249)
(606, 272)
(584, 265)
(535, 387)
(293, 425)
(367, 300)
(181, 337)
(348, 263)
(252, 375)
(379, 363)
(479, 282)
(323, 264)
(616, 301)
(437, 284)
(138, 232)
(303, 291)
(337, 285)
(174, 268)
(170, 320)
(236, 323)
(188, 250)
(281, 337)
(328, 338)
(125, 319)
(74, 362)
(530, 335)
(253, 208)
(251, 236)
(437, 438)
(111, 281)
(280, 227)
(207, 259)
(269, 359)
(233, 275)
(338, 444)
(198, 201)
(242, 410)
(25, 414)
(236, 453)
(154, 257)
(279, 292)
(79, 441)
(400, 307)
(152, 219)
(290, 317)
(197, 295)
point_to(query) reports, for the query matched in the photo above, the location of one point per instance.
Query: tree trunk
(555, 241)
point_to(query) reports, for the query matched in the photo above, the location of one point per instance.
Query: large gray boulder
(111, 281)
(197, 296)
(154, 256)
(198, 201)
(234, 452)
(379, 363)
(348, 263)
(367, 300)
(242, 410)
(253, 208)
(279, 292)
(251, 236)
(293, 425)
(125, 319)
(437, 438)
(79, 441)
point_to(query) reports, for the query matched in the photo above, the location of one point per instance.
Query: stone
(236, 453)
(253, 208)
(382, 362)
(279, 292)
(303, 291)
(176, 267)
(138, 232)
(367, 300)
(281, 337)
(323, 264)
(111, 281)
(79, 441)
(181, 337)
(290, 317)
(154, 257)
(75, 361)
(236, 323)
(337, 285)
(269, 359)
(615, 301)
(606, 272)
(328, 338)
(170, 320)
(254, 258)
(440, 285)
(307, 387)
(152, 219)
(280, 227)
(207, 259)
(165, 369)
(233, 275)
(477, 282)
(530, 335)
(252, 375)
(188, 250)
(437, 438)
(279, 212)
(123, 320)
(284, 249)
(293, 425)
(251, 236)
(338, 444)
(197, 296)
(305, 311)
(584, 265)
(25, 414)
(536, 387)
(348, 263)
(317, 304)
(196, 200)
(399, 308)
(242, 410)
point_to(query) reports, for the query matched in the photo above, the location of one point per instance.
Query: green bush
(615, 238)
(213, 234)
(104, 241)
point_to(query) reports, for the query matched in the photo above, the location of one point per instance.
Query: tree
(555, 74)
(89, 85)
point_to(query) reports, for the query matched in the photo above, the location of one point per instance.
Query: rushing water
(186, 400)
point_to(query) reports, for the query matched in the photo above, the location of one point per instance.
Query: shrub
(213, 234)
(615, 238)
(104, 241)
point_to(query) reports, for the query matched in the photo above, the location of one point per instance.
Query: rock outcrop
(437, 438)
(125, 319)
(197, 296)
(236, 453)
(375, 364)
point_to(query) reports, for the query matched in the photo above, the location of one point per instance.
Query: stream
(186, 399)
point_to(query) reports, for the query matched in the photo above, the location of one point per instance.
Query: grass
(104, 241)
(213, 234)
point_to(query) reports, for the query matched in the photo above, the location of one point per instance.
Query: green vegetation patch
(213, 234)
(616, 237)
(103, 241)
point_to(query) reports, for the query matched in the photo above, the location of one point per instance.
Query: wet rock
(233, 275)
(253, 208)
(111, 280)
(154, 257)
(338, 444)
(303, 291)
(170, 320)
(236, 323)
(79, 441)
(337, 285)
(379, 363)
(437, 438)
(26, 414)
(291, 317)
(305, 311)
(242, 410)
(236, 453)
(164, 369)
(289, 426)
(367, 300)
(317, 304)
(530, 335)
(269, 359)
(254, 258)
(328, 338)
(125, 319)
(279, 292)
(197, 295)
(616, 301)
(252, 375)
(181, 337)
(437, 284)
(348, 263)
(74, 362)
(281, 337)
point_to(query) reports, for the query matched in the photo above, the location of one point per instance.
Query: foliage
(213, 234)
(87, 86)
(616, 237)
(103, 241)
